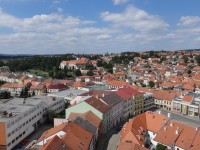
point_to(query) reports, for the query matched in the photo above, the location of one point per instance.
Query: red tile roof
(164, 95)
(89, 116)
(75, 137)
(116, 83)
(187, 98)
(57, 86)
(129, 146)
(98, 104)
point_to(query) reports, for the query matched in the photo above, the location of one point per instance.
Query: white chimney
(159, 112)
(165, 128)
(177, 130)
(171, 124)
(169, 115)
(103, 95)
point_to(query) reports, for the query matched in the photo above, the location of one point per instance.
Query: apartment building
(97, 106)
(116, 104)
(128, 106)
(19, 117)
(138, 102)
(148, 101)
(163, 99)
(187, 105)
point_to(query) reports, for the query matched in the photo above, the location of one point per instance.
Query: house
(187, 105)
(12, 87)
(88, 121)
(127, 97)
(151, 128)
(115, 103)
(116, 84)
(163, 99)
(66, 136)
(74, 64)
(56, 87)
(95, 105)
(129, 146)
(120, 75)
(38, 89)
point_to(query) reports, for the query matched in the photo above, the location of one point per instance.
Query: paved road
(112, 138)
(114, 141)
(181, 118)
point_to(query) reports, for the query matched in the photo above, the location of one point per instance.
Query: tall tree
(78, 72)
(90, 73)
(151, 84)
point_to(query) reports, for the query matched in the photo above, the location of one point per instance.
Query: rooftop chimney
(177, 130)
(63, 145)
(103, 95)
(169, 115)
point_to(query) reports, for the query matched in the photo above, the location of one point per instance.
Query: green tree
(2, 82)
(151, 84)
(161, 147)
(189, 72)
(198, 59)
(24, 92)
(51, 115)
(5, 95)
(2, 63)
(90, 73)
(33, 93)
(185, 59)
(78, 72)
(89, 66)
(60, 74)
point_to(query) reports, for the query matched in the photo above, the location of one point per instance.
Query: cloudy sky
(97, 26)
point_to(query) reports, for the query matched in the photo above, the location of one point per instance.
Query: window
(9, 134)
(13, 141)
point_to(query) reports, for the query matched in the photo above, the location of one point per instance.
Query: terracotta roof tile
(75, 137)
(187, 98)
(116, 83)
(129, 146)
(98, 104)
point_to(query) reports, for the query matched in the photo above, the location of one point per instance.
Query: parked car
(24, 141)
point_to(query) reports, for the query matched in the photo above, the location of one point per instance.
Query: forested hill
(44, 63)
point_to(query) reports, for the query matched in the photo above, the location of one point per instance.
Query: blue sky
(97, 26)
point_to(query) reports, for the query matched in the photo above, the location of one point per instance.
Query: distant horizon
(196, 49)
(65, 26)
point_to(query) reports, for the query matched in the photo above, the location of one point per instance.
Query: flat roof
(16, 106)
(97, 87)
(69, 94)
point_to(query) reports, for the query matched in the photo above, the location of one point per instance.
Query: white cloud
(189, 20)
(117, 2)
(135, 18)
(104, 37)
(133, 29)
(60, 10)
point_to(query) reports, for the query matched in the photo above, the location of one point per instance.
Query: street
(181, 118)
